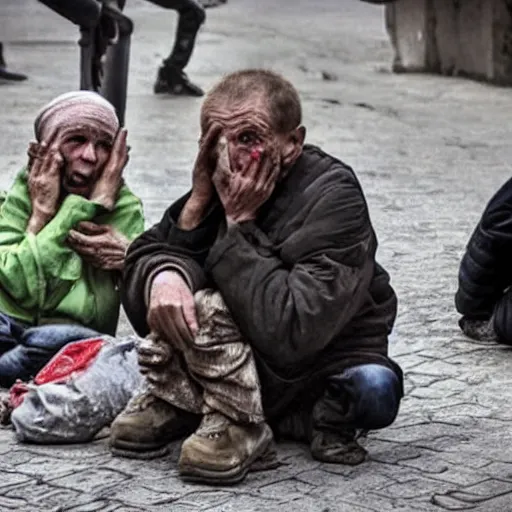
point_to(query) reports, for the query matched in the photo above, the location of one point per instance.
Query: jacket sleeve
(34, 267)
(166, 247)
(485, 271)
(290, 303)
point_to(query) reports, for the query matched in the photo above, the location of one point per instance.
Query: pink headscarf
(76, 108)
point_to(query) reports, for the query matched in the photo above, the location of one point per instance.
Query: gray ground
(429, 152)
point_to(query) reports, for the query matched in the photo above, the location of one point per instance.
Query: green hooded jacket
(42, 280)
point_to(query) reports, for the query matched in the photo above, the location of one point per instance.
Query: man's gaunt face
(246, 125)
(85, 150)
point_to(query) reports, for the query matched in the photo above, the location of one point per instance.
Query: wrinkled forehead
(90, 131)
(252, 112)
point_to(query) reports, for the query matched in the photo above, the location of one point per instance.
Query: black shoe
(481, 330)
(173, 81)
(339, 447)
(5, 74)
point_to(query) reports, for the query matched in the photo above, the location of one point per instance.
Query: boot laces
(140, 401)
(213, 425)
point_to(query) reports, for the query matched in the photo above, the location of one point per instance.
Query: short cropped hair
(284, 102)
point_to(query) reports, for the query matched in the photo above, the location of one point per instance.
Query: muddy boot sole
(349, 454)
(261, 460)
(130, 451)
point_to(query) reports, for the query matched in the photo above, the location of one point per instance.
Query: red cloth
(72, 358)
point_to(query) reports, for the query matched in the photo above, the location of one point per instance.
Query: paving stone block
(92, 480)
(42, 496)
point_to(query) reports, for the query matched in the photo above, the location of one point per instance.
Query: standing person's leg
(37, 345)
(172, 78)
(5, 74)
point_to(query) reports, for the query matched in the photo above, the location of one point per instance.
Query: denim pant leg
(37, 346)
(10, 333)
(10, 336)
(362, 397)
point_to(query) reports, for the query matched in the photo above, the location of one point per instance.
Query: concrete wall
(454, 37)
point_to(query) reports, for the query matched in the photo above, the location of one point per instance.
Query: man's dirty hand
(99, 244)
(242, 193)
(172, 310)
(202, 187)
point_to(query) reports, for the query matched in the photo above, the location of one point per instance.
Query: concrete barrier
(453, 37)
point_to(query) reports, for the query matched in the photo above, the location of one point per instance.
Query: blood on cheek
(256, 154)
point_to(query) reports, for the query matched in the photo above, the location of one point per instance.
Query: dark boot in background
(175, 81)
(5, 74)
(172, 78)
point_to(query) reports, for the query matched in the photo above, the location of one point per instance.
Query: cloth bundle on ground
(80, 391)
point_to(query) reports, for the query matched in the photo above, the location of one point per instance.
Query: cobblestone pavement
(429, 152)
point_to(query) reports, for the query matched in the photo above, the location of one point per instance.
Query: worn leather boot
(223, 452)
(175, 81)
(340, 447)
(147, 426)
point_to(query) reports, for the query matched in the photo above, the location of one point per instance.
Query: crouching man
(263, 299)
(484, 295)
(65, 226)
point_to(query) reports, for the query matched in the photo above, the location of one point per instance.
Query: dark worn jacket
(486, 271)
(301, 281)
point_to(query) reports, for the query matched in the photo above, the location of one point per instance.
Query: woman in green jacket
(65, 226)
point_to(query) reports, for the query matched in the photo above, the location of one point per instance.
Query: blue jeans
(24, 350)
(363, 397)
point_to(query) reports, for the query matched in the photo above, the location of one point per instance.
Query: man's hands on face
(172, 310)
(107, 187)
(100, 245)
(202, 186)
(44, 176)
(242, 193)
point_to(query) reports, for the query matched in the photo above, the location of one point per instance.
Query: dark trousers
(24, 350)
(363, 397)
(503, 318)
(191, 16)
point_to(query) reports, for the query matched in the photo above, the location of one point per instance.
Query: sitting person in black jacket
(262, 298)
(484, 297)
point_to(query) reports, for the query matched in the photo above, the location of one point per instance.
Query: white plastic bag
(76, 410)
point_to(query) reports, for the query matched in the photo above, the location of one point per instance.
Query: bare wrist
(104, 200)
(237, 219)
(37, 222)
(192, 213)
